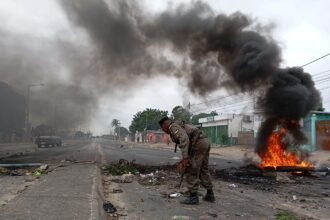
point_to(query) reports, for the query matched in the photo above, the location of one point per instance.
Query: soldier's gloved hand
(182, 165)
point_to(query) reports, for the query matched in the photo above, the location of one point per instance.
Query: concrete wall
(235, 123)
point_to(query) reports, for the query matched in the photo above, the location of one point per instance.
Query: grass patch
(120, 169)
(285, 215)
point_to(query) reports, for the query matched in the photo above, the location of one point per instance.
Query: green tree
(123, 131)
(195, 118)
(147, 119)
(179, 112)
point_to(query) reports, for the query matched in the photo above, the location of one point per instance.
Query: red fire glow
(276, 155)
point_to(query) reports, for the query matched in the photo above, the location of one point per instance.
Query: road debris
(117, 190)
(44, 167)
(232, 185)
(24, 169)
(214, 215)
(284, 178)
(154, 178)
(125, 178)
(175, 158)
(181, 218)
(41, 170)
(175, 195)
(109, 208)
(21, 165)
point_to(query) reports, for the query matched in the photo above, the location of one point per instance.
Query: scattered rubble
(291, 189)
(125, 178)
(125, 172)
(284, 178)
(214, 215)
(116, 190)
(109, 208)
(181, 218)
(232, 185)
(23, 169)
(175, 195)
(156, 178)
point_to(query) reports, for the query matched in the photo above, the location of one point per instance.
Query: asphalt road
(71, 150)
(114, 151)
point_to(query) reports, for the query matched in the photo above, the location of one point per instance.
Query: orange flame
(276, 155)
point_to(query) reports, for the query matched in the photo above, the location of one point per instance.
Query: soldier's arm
(182, 139)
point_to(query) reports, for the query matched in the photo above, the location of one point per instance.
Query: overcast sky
(302, 30)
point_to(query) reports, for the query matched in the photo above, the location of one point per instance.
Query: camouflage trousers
(198, 173)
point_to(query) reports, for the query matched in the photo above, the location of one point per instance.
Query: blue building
(317, 128)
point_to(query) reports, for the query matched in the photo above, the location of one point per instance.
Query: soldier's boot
(191, 200)
(209, 197)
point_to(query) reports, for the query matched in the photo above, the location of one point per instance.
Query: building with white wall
(224, 129)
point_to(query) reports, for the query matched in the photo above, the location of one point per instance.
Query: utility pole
(119, 130)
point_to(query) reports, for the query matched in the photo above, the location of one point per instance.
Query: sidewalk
(71, 192)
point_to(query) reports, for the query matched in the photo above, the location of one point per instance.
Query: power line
(215, 99)
(227, 106)
(313, 61)
(323, 79)
(231, 109)
(320, 73)
(233, 101)
(324, 88)
(236, 101)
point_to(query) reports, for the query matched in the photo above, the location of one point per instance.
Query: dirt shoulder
(239, 196)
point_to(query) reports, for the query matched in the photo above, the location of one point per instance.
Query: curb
(97, 199)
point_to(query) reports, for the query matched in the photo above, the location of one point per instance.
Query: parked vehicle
(48, 141)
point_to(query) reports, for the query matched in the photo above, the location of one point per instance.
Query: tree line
(148, 119)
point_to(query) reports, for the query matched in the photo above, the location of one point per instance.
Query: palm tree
(116, 124)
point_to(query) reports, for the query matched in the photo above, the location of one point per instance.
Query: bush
(117, 169)
(285, 215)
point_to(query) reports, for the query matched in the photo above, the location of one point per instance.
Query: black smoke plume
(204, 49)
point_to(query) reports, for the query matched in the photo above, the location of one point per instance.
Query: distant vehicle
(48, 141)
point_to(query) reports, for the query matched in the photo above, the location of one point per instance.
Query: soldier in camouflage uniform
(195, 150)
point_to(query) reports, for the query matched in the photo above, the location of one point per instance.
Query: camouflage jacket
(181, 135)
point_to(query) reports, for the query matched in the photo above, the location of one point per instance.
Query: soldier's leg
(193, 172)
(204, 175)
(192, 178)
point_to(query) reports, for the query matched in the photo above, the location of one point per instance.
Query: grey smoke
(27, 60)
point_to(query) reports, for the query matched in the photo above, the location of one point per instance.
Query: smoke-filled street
(187, 109)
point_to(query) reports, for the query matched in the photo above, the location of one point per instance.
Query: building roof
(319, 112)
